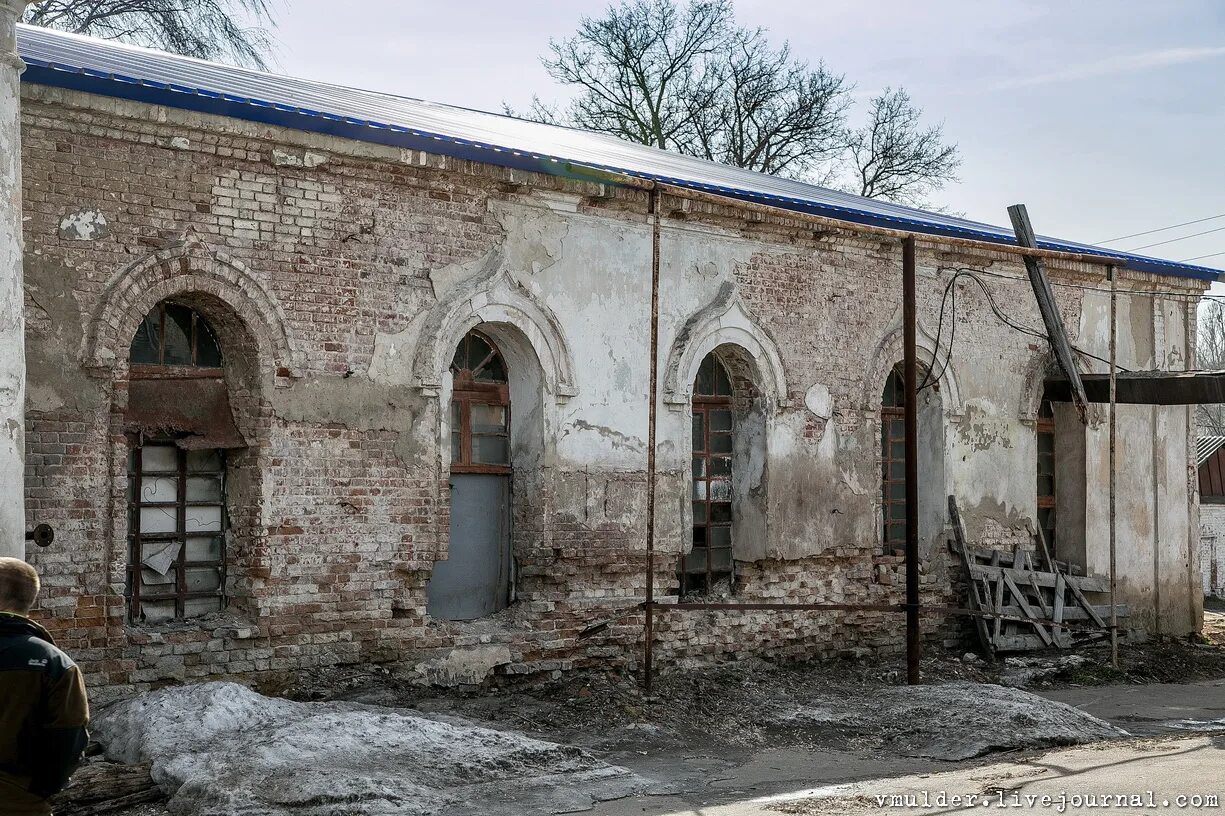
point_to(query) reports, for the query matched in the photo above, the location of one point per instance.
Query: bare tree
(1210, 355)
(207, 29)
(688, 79)
(895, 156)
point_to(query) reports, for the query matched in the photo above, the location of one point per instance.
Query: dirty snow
(952, 721)
(220, 748)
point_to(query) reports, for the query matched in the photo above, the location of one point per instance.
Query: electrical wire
(1176, 240)
(1198, 257)
(949, 296)
(1160, 229)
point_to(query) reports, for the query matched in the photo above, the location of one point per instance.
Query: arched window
(1046, 472)
(476, 578)
(480, 408)
(893, 460)
(174, 336)
(180, 425)
(710, 560)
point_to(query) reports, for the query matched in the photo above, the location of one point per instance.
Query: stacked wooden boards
(1020, 606)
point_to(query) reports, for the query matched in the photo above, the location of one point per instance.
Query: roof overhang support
(1146, 388)
(1050, 312)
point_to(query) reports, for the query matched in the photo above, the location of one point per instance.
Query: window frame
(893, 414)
(467, 391)
(136, 538)
(200, 329)
(704, 405)
(1044, 426)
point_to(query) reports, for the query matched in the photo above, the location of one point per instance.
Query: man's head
(18, 586)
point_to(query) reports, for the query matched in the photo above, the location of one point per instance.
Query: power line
(1176, 240)
(1201, 257)
(1160, 229)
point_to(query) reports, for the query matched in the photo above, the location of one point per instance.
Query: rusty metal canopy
(1146, 388)
(113, 69)
(194, 412)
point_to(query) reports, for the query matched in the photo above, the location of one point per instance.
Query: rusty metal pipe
(911, 378)
(652, 404)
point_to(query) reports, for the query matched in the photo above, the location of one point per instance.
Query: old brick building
(319, 376)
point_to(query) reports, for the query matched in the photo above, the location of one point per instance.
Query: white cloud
(1128, 63)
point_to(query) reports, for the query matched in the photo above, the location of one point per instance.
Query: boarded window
(710, 560)
(176, 530)
(480, 408)
(893, 461)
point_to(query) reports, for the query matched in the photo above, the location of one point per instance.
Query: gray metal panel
(474, 581)
(494, 134)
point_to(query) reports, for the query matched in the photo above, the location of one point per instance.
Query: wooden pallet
(1027, 607)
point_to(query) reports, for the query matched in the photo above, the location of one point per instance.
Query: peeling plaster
(84, 225)
(356, 403)
(56, 379)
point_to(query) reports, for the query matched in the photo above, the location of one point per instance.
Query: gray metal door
(474, 581)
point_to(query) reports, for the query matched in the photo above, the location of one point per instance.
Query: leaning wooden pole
(1114, 615)
(648, 668)
(910, 377)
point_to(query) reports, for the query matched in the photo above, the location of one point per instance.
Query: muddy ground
(699, 726)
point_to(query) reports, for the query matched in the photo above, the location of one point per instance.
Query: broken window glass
(175, 532)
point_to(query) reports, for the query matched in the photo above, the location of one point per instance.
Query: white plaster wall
(12, 323)
(1212, 548)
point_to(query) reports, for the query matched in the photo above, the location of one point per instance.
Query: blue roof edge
(200, 100)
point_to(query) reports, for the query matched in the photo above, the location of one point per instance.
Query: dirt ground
(714, 717)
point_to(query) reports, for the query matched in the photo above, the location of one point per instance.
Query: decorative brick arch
(498, 300)
(187, 267)
(724, 321)
(889, 352)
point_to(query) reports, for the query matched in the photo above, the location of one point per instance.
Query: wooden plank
(1071, 614)
(1050, 311)
(1088, 583)
(1145, 388)
(1027, 609)
(1033, 582)
(1061, 587)
(997, 624)
(1077, 585)
(976, 600)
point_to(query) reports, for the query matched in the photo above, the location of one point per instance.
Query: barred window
(177, 528)
(710, 560)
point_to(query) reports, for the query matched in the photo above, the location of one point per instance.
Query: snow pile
(963, 720)
(951, 721)
(220, 748)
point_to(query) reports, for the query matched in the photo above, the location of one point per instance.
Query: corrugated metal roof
(1205, 446)
(113, 69)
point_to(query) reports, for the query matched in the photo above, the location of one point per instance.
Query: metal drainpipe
(1114, 617)
(652, 401)
(910, 375)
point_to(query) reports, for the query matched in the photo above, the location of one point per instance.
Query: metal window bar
(137, 538)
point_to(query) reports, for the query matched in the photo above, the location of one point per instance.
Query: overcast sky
(1105, 117)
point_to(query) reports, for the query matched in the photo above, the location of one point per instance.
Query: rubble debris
(221, 748)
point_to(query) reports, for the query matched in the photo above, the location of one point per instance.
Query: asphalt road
(1178, 751)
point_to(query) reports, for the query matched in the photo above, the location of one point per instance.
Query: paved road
(1156, 770)
(1180, 752)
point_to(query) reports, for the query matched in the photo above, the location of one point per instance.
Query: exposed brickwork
(340, 506)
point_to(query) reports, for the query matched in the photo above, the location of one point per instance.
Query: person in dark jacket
(43, 707)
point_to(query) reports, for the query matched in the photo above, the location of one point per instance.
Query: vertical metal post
(910, 378)
(1114, 618)
(648, 668)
